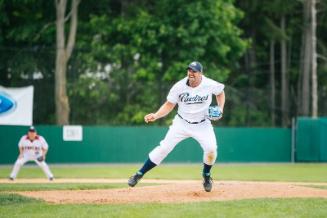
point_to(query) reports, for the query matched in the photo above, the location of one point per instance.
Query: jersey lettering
(186, 98)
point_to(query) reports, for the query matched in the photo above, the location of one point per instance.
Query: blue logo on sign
(7, 104)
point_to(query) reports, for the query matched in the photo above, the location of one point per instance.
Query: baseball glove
(215, 113)
(40, 159)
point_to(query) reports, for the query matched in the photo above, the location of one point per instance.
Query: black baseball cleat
(11, 178)
(133, 180)
(207, 183)
(51, 179)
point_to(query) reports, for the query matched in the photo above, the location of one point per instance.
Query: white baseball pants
(180, 130)
(21, 161)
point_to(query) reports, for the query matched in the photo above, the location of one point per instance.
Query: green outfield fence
(106, 144)
(311, 140)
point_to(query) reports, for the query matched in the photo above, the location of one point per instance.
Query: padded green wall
(311, 139)
(105, 144)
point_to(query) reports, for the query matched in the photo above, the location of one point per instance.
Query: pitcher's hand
(150, 117)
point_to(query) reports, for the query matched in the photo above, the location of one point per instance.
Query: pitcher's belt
(190, 121)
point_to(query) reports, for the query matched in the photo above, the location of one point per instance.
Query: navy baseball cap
(31, 129)
(195, 66)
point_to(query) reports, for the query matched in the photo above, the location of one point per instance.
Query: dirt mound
(179, 191)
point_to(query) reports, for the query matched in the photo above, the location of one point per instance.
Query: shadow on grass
(9, 199)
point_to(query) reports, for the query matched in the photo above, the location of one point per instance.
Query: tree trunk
(284, 77)
(272, 82)
(305, 94)
(63, 54)
(314, 60)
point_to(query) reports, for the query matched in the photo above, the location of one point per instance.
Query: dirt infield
(170, 191)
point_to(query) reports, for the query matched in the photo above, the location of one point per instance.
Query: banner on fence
(16, 106)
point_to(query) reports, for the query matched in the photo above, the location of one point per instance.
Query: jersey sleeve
(20, 143)
(217, 88)
(173, 94)
(44, 143)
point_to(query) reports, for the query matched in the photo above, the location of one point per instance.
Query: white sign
(16, 106)
(72, 133)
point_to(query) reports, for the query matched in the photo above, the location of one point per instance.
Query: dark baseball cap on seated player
(32, 129)
(195, 66)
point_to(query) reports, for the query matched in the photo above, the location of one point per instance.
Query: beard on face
(191, 78)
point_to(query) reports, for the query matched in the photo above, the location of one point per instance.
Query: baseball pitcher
(193, 95)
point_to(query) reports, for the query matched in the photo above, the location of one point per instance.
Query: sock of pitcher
(206, 169)
(148, 165)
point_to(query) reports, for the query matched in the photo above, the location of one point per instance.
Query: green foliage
(89, 90)
(30, 22)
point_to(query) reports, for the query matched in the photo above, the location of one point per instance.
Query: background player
(32, 147)
(193, 94)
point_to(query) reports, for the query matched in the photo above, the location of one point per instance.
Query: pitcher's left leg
(207, 139)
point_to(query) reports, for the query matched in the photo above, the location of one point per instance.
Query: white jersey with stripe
(193, 103)
(32, 148)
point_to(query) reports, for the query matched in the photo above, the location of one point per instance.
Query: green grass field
(242, 172)
(13, 205)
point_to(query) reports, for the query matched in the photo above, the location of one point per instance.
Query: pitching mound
(180, 191)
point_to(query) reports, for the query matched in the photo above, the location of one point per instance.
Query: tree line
(113, 61)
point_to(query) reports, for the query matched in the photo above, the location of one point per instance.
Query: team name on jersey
(197, 99)
(31, 148)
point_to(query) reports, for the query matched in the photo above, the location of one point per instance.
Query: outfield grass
(242, 172)
(317, 186)
(19, 206)
(12, 205)
(59, 186)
